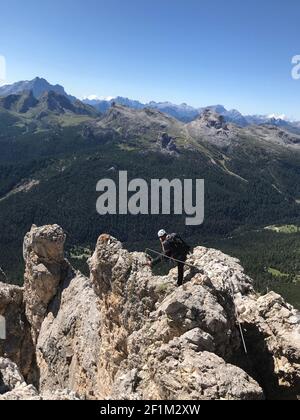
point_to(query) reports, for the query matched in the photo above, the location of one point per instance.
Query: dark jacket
(173, 247)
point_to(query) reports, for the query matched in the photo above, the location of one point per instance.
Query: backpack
(177, 245)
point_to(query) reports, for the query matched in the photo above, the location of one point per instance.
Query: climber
(173, 248)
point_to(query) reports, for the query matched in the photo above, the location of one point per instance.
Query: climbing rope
(173, 259)
(237, 316)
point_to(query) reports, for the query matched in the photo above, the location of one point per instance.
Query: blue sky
(237, 53)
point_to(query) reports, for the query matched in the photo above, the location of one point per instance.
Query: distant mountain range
(187, 113)
(184, 112)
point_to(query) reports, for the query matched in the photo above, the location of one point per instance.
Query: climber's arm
(161, 258)
(156, 261)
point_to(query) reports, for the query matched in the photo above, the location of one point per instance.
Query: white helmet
(161, 233)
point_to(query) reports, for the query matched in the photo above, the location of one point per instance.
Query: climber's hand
(149, 262)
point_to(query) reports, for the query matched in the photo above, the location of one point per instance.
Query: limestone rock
(22, 392)
(140, 318)
(46, 242)
(12, 383)
(273, 332)
(193, 313)
(69, 344)
(225, 272)
(18, 345)
(14, 387)
(45, 268)
(109, 265)
(60, 395)
(180, 373)
(124, 333)
(127, 295)
(10, 376)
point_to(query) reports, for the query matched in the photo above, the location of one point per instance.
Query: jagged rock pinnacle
(125, 333)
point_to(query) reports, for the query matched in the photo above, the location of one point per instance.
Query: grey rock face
(211, 127)
(22, 393)
(18, 344)
(274, 342)
(14, 387)
(12, 383)
(45, 268)
(186, 374)
(124, 333)
(9, 375)
(160, 328)
(69, 344)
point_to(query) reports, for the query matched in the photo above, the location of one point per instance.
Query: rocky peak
(125, 333)
(46, 243)
(43, 253)
(212, 119)
(38, 86)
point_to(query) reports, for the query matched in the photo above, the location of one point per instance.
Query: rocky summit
(124, 333)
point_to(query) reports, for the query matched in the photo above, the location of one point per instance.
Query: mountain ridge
(183, 112)
(187, 113)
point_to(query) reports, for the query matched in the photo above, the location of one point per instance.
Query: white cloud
(91, 97)
(279, 117)
(99, 98)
